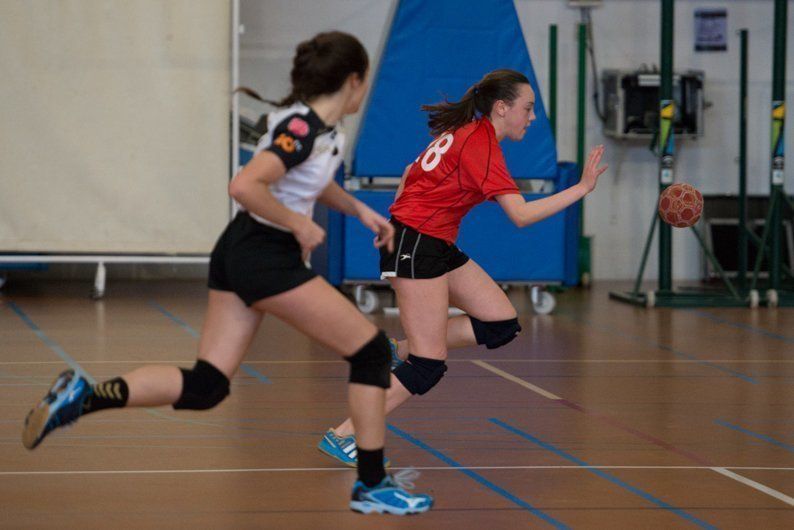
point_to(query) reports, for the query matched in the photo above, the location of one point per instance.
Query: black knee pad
(419, 374)
(495, 334)
(370, 364)
(203, 387)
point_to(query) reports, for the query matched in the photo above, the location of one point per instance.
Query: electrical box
(631, 103)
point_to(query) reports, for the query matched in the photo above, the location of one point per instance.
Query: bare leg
(322, 313)
(227, 332)
(470, 289)
(423, 315)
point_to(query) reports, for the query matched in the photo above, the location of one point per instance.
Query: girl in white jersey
(258, 267)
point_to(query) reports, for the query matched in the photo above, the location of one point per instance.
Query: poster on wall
(711, 30)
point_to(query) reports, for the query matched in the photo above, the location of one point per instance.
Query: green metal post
(645, 252)
(580, 101)
(778, 144)
(666, 142)
(553, 78)
(742, 267)
(584, 257)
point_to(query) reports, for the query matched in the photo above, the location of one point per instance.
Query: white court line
(757, 485)
(427, 468)
(518, 381)
(340, 361)
(721, 470)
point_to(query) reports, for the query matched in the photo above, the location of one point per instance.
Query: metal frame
(732, 221)
(731, 297)
(101, 259)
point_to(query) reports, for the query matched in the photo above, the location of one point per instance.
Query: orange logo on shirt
(287, 143)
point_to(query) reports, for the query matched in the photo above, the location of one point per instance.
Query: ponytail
(448, 116)
(478, 99)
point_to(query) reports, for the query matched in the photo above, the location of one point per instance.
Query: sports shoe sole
(367, 507)
(348, 464)
(386, 463)
(37, 418)
(34, 426)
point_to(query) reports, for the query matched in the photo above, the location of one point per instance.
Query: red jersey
(456, 172)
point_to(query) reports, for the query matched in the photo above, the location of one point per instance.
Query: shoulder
(474, 138)
(297, 121)
(294, 130)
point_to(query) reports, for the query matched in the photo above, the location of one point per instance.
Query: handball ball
(680, 205)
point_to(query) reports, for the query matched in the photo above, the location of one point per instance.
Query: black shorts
(255, 261)
(418, 255)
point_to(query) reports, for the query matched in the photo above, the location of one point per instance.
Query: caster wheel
(650, 299)
(771, 298)
(754, 298)
(366, 300)
(544, 303)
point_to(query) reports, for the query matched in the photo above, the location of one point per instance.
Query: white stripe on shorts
(397, 255)
(413, 254)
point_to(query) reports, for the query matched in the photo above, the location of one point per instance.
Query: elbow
(519, 221)
(236, 190)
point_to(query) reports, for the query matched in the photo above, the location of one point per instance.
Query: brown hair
(320, 66)
(480, 97)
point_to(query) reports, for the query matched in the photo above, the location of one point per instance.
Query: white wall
(626, 34)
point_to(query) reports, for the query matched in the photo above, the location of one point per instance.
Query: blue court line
(54, 346)
(477, 477)
(755, 435)
(647, 496)
(739, 325)
(250, 370)
(645, 341)
(184, 325)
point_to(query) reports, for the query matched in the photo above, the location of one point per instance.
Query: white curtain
(114, 125)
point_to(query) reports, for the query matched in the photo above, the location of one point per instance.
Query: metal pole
(666, 142)
(553, 78)
(645, 252)
(778, 144)
(235, 80)
(584, 256)
(580, 101)
(742, 280)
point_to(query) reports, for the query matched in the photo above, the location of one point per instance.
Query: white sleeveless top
(311, 152)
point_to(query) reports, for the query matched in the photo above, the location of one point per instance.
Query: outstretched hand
(591, 170)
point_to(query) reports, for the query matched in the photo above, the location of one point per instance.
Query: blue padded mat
(439, 48)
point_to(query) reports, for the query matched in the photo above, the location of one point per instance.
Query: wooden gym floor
(602, 415)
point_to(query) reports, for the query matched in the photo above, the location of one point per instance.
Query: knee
(203, 387)
(370, 364)
(495, 333)
(419, 374)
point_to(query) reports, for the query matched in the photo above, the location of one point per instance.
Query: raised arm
(523, 213)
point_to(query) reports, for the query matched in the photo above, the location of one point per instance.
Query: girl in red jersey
(462, 167)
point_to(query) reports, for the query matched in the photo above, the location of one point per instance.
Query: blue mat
(437, 49)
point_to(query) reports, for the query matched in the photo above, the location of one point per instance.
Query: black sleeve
(293, 139)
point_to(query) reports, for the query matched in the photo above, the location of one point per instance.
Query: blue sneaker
(62, 405)
(395, 359)
(390, 496)
(342, 448)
